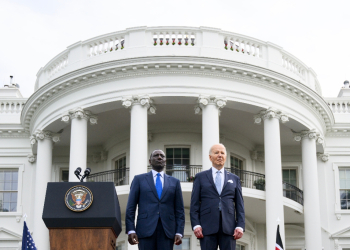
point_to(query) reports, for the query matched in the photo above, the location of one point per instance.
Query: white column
(209, 106)
(42, 177)
(139, 105)
(273, 173)
(78, 139)
(312, 218)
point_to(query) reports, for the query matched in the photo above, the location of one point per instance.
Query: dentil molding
(130, 68)
(269, 114)
(309, 134)
(79, 113)
(143, 100)
(204, 100)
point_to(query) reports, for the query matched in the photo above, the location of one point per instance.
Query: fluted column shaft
(312, 218)
(209, 106)
(273, 174)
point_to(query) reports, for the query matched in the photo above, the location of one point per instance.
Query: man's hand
(177, 240)
(238, 234)
(132, 238)
(198, 232)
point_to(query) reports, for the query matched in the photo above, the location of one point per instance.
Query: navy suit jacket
(169, 207)
(204, 210)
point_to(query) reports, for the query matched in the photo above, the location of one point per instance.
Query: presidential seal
(78, 198)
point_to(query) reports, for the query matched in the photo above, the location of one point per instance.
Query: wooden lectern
(95, 228)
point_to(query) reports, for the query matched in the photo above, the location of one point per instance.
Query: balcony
(187, 173)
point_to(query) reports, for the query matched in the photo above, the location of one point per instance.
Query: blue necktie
(218, 186)
(159, 187)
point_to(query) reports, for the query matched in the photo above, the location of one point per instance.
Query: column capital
(204, 100)
(270, 113)
(323, 157)
(143, 100)
(42, 135)
(79, 113)
(310, 134)
(31, 158)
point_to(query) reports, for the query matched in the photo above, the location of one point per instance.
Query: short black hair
(153, 152)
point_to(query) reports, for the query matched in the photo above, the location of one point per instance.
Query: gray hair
(210, 150)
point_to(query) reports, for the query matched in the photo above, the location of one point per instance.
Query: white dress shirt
(222, 175)
(155, 173)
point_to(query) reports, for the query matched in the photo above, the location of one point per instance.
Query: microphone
(86, 174)
(77, 173)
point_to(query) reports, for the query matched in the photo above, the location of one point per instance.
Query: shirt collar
(214, 170)
(154, 173)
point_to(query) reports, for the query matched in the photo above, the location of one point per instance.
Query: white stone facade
(108, 102)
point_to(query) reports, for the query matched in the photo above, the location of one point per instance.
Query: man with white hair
(217, 207)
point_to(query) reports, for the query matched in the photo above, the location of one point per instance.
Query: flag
(27, 239)
(279, 244)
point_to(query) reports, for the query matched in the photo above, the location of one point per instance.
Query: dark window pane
(342, 194)
(177, 152)
(348, 195)
(13, 207)
(186, 162)
(169, 153)
(185, 153)
(343, 204)
(177, 161)
(169, 162)
(2, 176)
(14, 197)
(348, 204)
(65, 175)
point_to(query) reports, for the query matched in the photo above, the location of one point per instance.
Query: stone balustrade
(141, 42)
(12, 106)
(339, 105)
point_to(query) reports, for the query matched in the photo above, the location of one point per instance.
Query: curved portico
(146, 99)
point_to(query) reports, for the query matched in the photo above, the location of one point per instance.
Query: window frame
(125, 172)
(337, 206)
(298, 167)
(20, 168)
(180, 146)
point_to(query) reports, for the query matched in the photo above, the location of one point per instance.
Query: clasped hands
(237, 234)
(133, 239)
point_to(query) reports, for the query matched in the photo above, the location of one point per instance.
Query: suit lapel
(210, 177)
(165, 186)
(150, 181)
(225, 181)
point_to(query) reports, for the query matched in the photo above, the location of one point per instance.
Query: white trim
(336, 166)
(298, 166)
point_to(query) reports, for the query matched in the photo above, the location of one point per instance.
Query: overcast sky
(315, 31)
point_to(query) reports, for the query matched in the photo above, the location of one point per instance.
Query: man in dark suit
(217, 208)
(161, 216)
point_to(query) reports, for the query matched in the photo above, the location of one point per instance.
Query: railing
(187, 173)
(156, 41)
(14, 106)
(118, 176)
(339, 106)
(257, 181)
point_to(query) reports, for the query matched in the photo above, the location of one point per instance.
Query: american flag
(27, 239)
(279, 244)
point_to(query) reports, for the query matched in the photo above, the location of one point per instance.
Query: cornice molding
(143, 100)
(79, 113)
(198, 66)
(269, 114)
